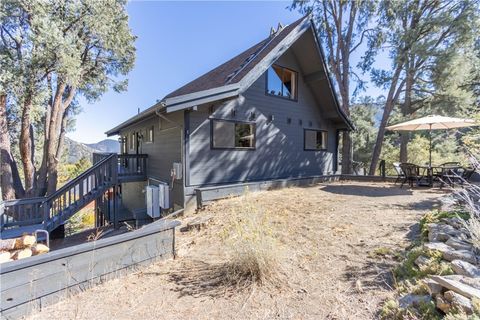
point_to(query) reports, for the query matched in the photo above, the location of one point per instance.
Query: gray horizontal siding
(279, 146)
(164, 151)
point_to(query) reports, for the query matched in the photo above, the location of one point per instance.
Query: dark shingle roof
(235, 69)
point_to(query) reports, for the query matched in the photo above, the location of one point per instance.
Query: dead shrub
(254, 253)
(469, 196)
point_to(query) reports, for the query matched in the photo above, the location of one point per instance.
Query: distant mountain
(75, 151)
(107, 145)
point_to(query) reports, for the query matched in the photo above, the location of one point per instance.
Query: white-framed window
(315, 139)
(228, 134)
(133, 138)
(149, 135)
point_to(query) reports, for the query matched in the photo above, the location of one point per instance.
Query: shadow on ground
(367, 191)
(202, 279)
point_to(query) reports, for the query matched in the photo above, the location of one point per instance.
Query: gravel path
(339, 242)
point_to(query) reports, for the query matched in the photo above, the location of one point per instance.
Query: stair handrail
(46, 204)
(79, 177)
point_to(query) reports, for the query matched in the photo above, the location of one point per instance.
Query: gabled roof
(235, 69)
(236, 75)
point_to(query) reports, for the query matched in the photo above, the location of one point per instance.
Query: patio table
(430, 172)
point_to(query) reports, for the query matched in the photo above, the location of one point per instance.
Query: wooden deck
(98, 183)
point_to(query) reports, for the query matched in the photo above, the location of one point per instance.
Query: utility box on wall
(177, 170)
(153, 201)
(164, 196)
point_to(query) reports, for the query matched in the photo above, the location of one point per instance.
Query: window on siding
(124, 144)
(149, 135)
(282, 82)
(315, 140)
(233, 135)
(132, 141)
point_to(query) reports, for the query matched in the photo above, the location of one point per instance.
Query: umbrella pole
(430, 152)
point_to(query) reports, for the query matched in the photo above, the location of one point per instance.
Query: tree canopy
(51, 52)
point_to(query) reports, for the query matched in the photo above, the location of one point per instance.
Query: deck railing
(130, 166)
(52, 211)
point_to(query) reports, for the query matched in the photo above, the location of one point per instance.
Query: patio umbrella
(432, 123)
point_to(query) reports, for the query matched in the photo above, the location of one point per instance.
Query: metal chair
(398, 170)
(412, 175)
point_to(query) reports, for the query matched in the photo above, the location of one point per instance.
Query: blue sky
(177, 42)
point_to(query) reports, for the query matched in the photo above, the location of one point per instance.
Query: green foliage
(51, 51)
(363, 117)
(425, 310)
(436, 216)
(69, 171)
(408, 270)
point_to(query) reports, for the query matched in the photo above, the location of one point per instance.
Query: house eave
(178, 103)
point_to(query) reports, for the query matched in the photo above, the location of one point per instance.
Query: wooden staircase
(47, 213)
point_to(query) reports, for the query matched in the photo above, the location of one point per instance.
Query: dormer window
(282, 82)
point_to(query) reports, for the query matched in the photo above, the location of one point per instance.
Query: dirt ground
(334, 237)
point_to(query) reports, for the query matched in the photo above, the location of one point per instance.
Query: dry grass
(254, 254)
(324, 240)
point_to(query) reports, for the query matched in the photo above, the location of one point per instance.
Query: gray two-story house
(269, 113)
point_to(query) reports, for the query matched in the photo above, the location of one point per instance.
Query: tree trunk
(406, 110)
(10, 181)
(392, 97)
(347, 153)
(25, 146)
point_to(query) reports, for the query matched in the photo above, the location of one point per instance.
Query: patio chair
(412, 175)
(467, 174)
(398, 170)
(451, 172)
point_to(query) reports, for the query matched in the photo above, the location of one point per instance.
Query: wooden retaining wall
(33, 283)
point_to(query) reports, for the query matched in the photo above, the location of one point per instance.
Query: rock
(458, 244)
(433, 287)
(441, 232)
(421, 261)
(472, 282)
(465, 269)
(464, 255)
(458, 287)
(451, 254)
(442, 304)
(438, 246)
(455, 222)
(413, 300)
(459, 302)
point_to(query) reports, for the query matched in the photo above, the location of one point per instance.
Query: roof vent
(272, 31)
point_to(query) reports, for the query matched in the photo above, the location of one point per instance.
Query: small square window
(315, 140)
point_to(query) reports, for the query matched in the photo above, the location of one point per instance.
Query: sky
(177, 41)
